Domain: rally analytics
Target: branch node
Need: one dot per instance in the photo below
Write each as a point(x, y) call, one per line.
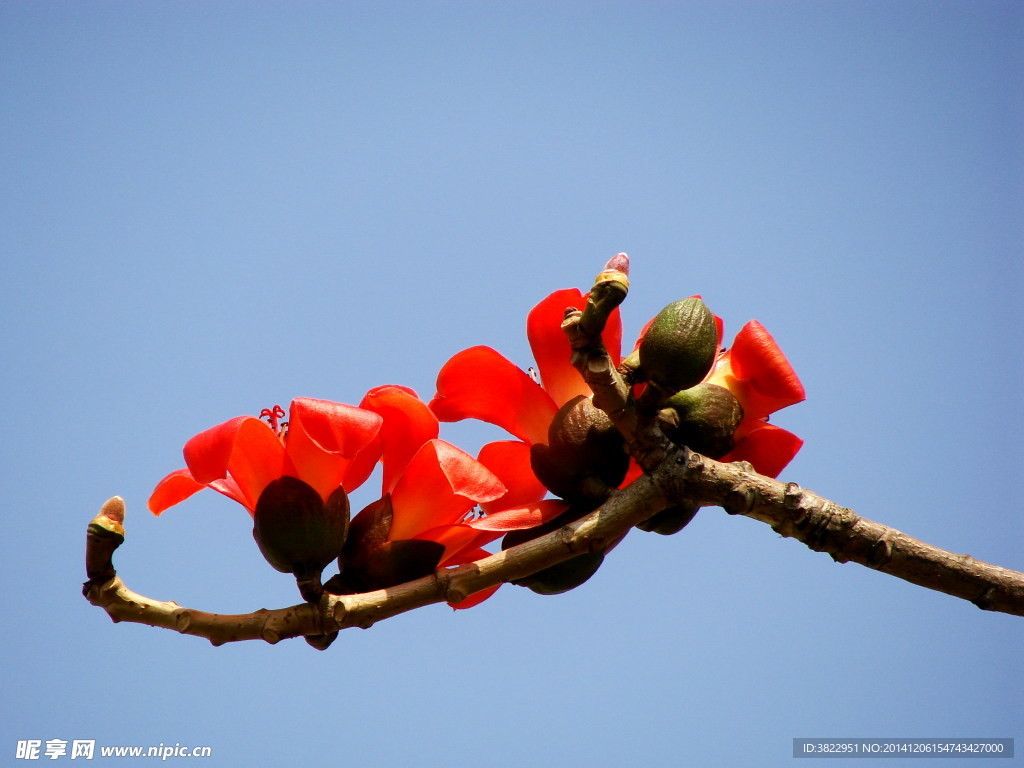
point(881, 552)
point(567, 535)
point(268, 634)
point(792, 496)
point(739, 500)
point(986, 599)
point(182, 620)
point(339, 611)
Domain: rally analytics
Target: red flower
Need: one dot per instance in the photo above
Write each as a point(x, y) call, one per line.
point(426, 517)
point(756, 371)
point(479, 383)
point(324, 444)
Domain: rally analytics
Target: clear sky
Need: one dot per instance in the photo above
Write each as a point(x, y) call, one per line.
point(209, 208)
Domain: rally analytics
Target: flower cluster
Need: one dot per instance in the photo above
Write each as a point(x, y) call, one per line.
point(439, 506)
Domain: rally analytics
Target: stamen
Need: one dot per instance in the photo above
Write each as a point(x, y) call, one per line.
point(476, 513)
point(273, 417)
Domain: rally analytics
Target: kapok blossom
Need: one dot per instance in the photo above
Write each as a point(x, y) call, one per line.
point(324, 444)
point(480, 383)
point(758, 374)
point(431, 492)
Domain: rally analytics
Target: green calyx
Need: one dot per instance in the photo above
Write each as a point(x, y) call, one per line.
point(703, 418)
point(679, 348)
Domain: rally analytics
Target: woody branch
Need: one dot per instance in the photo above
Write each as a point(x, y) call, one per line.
point(682, 476)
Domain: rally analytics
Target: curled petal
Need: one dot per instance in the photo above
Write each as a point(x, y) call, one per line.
point(245, 447)
point(257, 459)
point(768, 447)
point(208, 453)
point(480, 383)
point(179, 485)
point(440, 484)
point(520, 518)
point(551, 348)
point(477, 597)
point(469, 556)
point(510, 461)
point(174, 488)
point(757, 372)
point(323, 440)
point(407, 424)
point(456, 539)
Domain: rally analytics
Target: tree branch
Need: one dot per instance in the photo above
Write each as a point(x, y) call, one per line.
point(683, 476)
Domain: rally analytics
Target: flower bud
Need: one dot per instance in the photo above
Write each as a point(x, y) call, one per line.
point(369, 561)
point(703, 418)
point(680, 345)
point(298, 533)
point(585, 454)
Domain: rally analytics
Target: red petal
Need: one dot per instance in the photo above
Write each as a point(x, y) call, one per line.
point(479, 383)
point(468, 556)
point(527, 516)
point(476, 598)
point(174, 488)
point(245, 447)
point(230, 488)
point(179, 485)
point(456, 539)
point(440, 484)
point(767, 380)
point(510, 461)
point(632, 473)
point(257, 459)
point(323, 439)
point(551, 348)
point(208, 453)
point(408, 424)
point(768, 447)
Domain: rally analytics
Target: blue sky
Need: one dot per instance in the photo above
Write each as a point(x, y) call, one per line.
point(209, 208)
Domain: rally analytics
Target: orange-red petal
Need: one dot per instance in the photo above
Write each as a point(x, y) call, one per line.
point(469, 556)
point(520, 518)
point(245, 447)
point(408, 424)
point(768, 447)
point(439, 485)
point(510, 461)
point(480, 383)
point(257, 458)
point(174, 488)
point(208, 453)
point(551, 348)
point(764, 378)
point(324, 438)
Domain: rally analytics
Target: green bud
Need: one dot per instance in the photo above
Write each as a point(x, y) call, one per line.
point(703, 418)
point(679, 348)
